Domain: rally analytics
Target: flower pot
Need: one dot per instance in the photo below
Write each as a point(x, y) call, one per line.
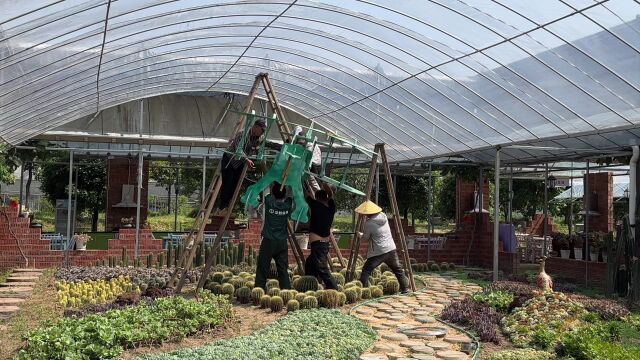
point(81, 247)
point(594, 256)
point(604, 257)
point(565, 253)
point(127, 226)
point(577, 253)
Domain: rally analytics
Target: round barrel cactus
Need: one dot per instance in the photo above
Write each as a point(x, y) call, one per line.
point(276, 304)
point(351, 294)
point(309, 302)
point(265, 302)
point(307, 283)
point(244, 295)
point(391, 287)
point(256, 295)
point(293, 305)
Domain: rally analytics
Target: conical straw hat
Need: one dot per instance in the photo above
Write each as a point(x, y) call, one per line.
point(368, 208)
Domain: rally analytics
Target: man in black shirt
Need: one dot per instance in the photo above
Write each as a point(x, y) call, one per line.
point(275, 232)
point(322, 209)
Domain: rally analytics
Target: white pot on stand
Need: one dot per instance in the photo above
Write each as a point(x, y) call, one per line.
point(565, 253)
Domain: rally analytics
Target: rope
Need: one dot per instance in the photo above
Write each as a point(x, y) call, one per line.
point(15, 237)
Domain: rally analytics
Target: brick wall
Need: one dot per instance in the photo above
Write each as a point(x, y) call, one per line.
point(577, 269)
point(38, 250)
point(601, 200)
point(465, 198)
point(124, 171)
point(536, 225)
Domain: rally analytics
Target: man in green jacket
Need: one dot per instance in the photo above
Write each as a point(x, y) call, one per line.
point(278, 207)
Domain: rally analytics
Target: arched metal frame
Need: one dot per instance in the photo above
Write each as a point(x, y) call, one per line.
point(426, 89)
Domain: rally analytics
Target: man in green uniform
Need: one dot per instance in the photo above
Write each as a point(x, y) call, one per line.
point(277, 206)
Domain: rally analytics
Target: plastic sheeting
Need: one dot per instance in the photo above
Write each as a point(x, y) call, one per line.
point(429, 78)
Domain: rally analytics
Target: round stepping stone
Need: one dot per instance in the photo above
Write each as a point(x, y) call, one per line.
point(411, 343)
point(11, 301)
point(439, 345)
point(15, 284)
point(452, 355)
point(8, 309)
point(423, 350)
point(382, 347)
point(379, 327)
point(365, 311)
point(423, 357)
point(425, 319)
point(395, 336)
point(16, 289)
point(457, 339)
point(373, 357)
point(395, 317)
point(396, 356)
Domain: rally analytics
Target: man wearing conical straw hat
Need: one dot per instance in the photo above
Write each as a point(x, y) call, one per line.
point(382, 249)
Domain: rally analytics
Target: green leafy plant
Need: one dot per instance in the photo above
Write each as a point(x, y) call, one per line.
point(521, 354)
point(319, 334)
point(499, 300)
point(105, 336)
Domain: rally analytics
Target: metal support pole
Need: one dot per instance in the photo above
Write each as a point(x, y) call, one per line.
point(571, 202)
point(510, 203)
point(496, 215)
point(586, 251)
point(204, 178)
point(21, 187)
point(430, 215)
point(69, 209)
point(545, 251)
point(138, 202)
point(175, 201)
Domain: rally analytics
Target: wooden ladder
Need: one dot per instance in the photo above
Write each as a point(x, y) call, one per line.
point(355, 244)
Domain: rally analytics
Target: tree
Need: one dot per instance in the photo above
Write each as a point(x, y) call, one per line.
point(164, 175)
point(412, 195)
point(90, 187)
point(7, 166)
point(27, 159)
point(182, 176)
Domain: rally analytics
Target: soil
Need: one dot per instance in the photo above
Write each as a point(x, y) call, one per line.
point(246, 320)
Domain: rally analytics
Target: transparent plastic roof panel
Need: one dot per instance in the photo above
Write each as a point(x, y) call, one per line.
point(430, 78)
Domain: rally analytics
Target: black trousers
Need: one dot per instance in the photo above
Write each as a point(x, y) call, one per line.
point(317, 264)
point(391, 259)
point(230, 178)
point(278, 251)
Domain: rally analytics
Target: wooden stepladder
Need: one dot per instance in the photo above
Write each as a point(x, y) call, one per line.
point(402, 241)
point(196, 235)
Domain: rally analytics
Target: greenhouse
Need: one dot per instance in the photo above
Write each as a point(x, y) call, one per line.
point(319, 179)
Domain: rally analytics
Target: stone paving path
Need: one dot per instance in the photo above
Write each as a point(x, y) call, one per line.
point(407, 328)
point(15, 290)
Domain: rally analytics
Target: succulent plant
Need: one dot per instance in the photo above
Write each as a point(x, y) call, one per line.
point(329, 299)
point(434, 267)
point(444, 266)
point(366, 294)
point(299, 297)
point(293, 305)
point(338, 278)
point(244, 295)
point(351, 294)
point(391, 287)
point(452, 266)
point(217, 289)
point(256, 295)
point(218, 276)
point(307, 283)
point(272, 283)
point(265, 301)
point(274, 291)
point(309, 302)
point(237, 282)
point(342, 299)
point(276, 304)
point(250, 284)
point(286, 295)
point(376, 292)
point(228, 289)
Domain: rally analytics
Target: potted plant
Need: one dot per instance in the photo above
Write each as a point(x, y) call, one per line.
point(563, 245)
point(126, 222)
point(573, 240)
point(81, 241)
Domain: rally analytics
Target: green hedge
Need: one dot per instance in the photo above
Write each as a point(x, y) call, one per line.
point(305, 334)
point(105, 336)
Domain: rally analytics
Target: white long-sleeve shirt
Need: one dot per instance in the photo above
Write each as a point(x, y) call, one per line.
point(378, 233)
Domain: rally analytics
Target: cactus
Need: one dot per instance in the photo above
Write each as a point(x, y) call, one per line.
point(244, 295)
point(227, 273)
point(217, 289)
point(274, 291)
point(125, 257)
point(351, 294)
point(271, 283)
point(237, 281)
point(452, 266)
point(256, 295)
point(276, 304)
point(309, 302)
point(179, 251)
point(444, 266)
point(240, 252)
point(300, 297)
point(250, 284)
point(160, 262)
point(338, 278)
point(342, 299)
point(228, 289)
point(228, 261)
point(331, 299)
point(138, 262)
point(170, 256)
point(307, 283)
point(293, 305)
point(366, 293)
point(319, 294)
point(218, 276)
point(286, 295)
point(265, 301)
point(434, 267)
point(391, 287)
point(234, 255)
point(376, 292)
